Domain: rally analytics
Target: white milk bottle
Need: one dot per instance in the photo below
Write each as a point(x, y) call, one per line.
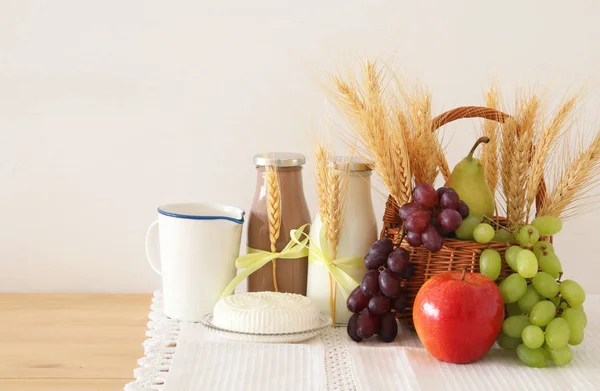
point(358, 232)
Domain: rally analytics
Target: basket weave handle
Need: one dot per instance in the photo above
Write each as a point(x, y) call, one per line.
point(468, 112)
point(489, 114)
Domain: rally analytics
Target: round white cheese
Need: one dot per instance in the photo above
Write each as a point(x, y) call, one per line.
point(266, 312)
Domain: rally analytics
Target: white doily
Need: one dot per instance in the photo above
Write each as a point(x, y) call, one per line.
point(159, 349)
point(337, 368)
point(161, 346)
point(185, 356)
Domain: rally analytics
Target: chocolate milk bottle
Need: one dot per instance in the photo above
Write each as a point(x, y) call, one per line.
point(291, 273)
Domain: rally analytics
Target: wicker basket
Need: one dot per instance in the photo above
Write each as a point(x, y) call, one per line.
point(455, 254)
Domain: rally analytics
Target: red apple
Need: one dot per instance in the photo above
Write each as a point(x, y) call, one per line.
point(458, 316)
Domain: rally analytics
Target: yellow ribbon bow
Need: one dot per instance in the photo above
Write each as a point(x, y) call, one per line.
point(255, 259)
point(323, 255)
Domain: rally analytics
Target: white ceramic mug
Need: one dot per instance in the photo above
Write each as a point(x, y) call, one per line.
point(194, 247)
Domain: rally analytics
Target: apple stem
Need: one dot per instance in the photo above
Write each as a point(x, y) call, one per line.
point(464, 272)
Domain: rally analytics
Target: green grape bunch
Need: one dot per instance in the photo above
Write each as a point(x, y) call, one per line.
point(545, 314)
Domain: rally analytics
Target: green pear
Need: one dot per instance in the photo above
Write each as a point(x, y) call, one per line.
point(468, 180)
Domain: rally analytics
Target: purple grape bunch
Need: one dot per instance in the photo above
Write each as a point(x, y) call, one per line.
point(431, 215)
point(380, 292)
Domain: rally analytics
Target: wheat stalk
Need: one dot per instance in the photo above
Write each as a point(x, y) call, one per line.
point(349, 95)
point(395, 129)
point(379, 124)
point(509, 136)
point(399, 141)
point(424, 151)
point(545, 143)
point(351, 103)
point(332, 232)
point(337, 191)
point(527, 112)
point(274, 214)
point(402, 123)
point(400, 157)
point(489, 155)
point(403, 103)
point(573, 187)
point(321, 162)
point(442, 162)
point(332, 187)
point(332, 181)
point(372, 125)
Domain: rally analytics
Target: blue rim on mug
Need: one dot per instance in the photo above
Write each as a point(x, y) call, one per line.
point(232, 212)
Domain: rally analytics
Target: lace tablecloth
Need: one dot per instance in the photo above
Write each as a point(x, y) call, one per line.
point(186, 356)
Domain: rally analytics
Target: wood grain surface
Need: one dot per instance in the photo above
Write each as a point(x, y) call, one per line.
point(70, 341)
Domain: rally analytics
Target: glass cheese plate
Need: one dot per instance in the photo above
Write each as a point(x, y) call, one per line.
point(239, 336)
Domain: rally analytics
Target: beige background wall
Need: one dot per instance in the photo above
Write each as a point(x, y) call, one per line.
point(110, 108)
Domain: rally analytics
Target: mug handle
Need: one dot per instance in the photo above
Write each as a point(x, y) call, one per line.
point(152, 247)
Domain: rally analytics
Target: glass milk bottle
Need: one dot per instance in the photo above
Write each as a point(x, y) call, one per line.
point(358, 232)
point(291, 273)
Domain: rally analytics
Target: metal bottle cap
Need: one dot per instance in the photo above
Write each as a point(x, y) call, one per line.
point(354, 164)
point(280, 159)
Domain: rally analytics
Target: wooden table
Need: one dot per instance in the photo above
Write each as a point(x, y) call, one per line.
point(70, 342)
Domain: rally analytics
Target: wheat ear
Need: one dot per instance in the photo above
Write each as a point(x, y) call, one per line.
point(332, 181)
point(396, 157)
point(489, 155)
point(324, 197)
point(550, 134)
point(509, 137)
point(338, 189)
point(375, 125)
point(399, 139)
point(443, 162)
point(274, 215)
point(349, 96)
point(440, 156)
point(521, 158)
point(573, 187)
point(322, 162)
point(335, 209)
point(378, 138)
point(424, 152)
